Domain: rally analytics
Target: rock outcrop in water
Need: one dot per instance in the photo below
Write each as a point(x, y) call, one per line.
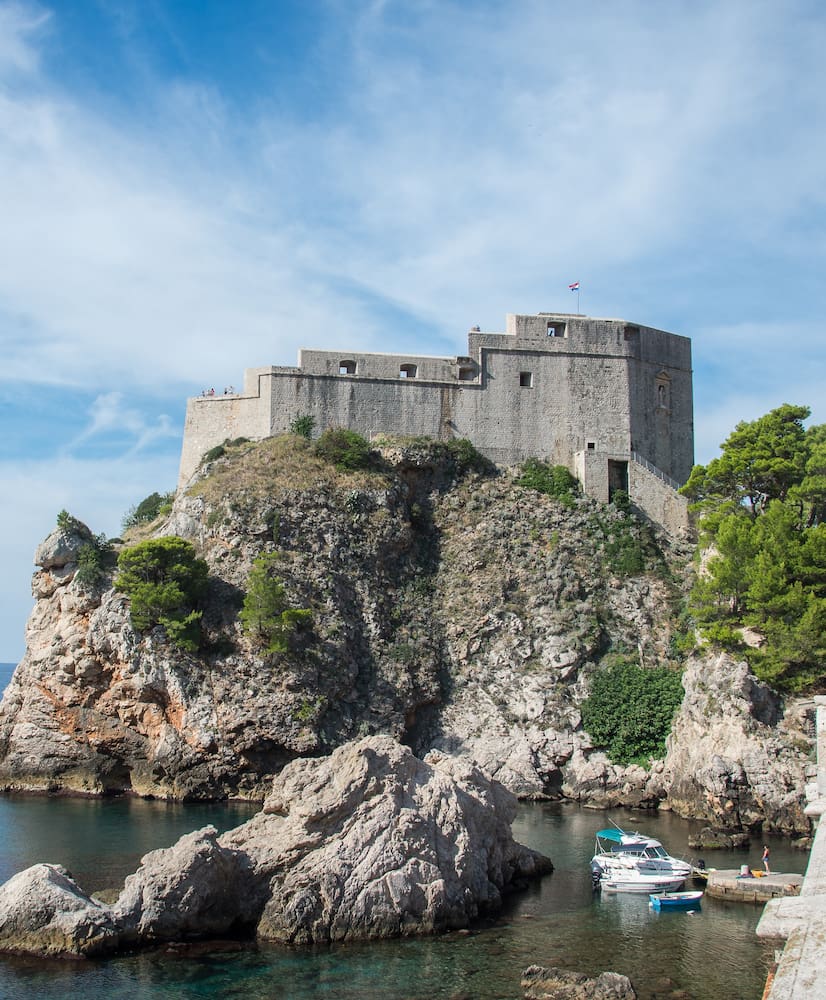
point(560, 984)
point(369, 842)
point(454, 609)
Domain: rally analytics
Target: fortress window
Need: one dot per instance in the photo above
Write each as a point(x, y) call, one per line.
point(408, 371)
point(590, 446)
point(466, 374)
point(556, 329)
point(347, 368)
point(526, 380)
point(663, 391)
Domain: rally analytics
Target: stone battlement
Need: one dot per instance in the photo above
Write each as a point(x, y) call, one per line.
point(611, 400)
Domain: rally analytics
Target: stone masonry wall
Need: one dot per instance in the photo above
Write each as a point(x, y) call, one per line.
point(552, 386)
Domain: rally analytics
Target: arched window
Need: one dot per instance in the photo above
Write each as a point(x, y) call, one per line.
point(663, 391)
point(347, 368)
point(408, 371)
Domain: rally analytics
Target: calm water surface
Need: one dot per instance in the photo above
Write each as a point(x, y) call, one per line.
point(710, 955)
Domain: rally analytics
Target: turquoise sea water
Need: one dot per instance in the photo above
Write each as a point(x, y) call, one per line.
point(710, 955)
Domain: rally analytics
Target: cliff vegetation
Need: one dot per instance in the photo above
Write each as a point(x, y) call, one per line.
point(761, 591)
point(301, 594)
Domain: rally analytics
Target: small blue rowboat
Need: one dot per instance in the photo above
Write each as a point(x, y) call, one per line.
point(675, 900)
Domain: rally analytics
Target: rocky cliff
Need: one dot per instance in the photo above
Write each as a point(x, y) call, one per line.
point(452, 609)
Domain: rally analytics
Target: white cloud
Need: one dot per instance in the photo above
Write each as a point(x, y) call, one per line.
point(449, 163)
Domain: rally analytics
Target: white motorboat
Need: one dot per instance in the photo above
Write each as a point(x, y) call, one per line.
point(633, 862)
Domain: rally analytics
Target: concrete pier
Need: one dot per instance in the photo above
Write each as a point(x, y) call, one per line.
point(729, 884)
point(801, 971)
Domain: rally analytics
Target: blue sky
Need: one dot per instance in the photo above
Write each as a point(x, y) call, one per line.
point(191, 188)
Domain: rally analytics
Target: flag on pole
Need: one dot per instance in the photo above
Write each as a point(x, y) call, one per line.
point(574, 286)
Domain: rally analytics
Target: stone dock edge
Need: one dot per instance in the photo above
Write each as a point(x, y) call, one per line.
point(801, 920)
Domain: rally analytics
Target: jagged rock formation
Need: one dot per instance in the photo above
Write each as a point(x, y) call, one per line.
point(734, 754)
point(451, 609)
point(369, 842)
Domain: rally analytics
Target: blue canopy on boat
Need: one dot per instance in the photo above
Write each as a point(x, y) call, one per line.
point(614, 834)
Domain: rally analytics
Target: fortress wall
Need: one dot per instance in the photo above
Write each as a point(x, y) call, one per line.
point(210, 420)
point(660, 402)
point(554, 386)
point(369, 406)
point(572, 400)
point(370, 365)
point(661, 503)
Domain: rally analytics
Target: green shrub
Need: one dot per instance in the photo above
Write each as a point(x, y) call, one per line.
point(164, 581)
point(630, 709)
point(266, 616)
point(345, 449)
point(621, 501)
point(467, 457)
point(148, 509)
point(554, 480)
point(214, 453)
point(303, 426)
point(94, 559)
point(66, 522)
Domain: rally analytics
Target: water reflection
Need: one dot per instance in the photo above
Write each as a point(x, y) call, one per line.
point(709, 955)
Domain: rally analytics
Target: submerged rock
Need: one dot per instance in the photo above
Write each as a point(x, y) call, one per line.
point(559, 984)
point(369, 842)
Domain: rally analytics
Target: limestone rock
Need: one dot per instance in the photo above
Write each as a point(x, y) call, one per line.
point(61, 547)
point(455, 612)
point(369, 842)
point(735, 759)
point(372, 842)
point(559, 984)
point(719, 840)
point(193, 888)
point(44, 911)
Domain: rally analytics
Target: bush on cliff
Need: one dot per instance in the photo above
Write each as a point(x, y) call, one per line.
point(554, 480)
point(148, 509)
point(164, 581)
point(762, 510)
point(630, 709)
point(266, 616)
point(346, 449)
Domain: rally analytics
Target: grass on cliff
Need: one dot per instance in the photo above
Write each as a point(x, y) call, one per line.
point(288, 461)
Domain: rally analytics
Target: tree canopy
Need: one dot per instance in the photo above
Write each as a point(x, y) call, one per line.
point(164, 580)
point(762, 520)
point(266, 616)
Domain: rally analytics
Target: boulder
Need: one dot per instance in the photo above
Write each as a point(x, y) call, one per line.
point(372, 842)
point(719, 840)
point(192, 889)
point(45, 912)
point(559, 984)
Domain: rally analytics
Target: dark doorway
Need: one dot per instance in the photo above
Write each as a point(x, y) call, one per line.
point(617, 478)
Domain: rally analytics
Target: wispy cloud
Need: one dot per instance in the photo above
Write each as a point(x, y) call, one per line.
point(414, 169)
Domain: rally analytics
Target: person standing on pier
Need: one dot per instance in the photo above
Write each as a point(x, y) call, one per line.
point(766, 858)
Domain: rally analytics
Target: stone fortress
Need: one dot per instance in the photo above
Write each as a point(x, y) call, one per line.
point(611, 400)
